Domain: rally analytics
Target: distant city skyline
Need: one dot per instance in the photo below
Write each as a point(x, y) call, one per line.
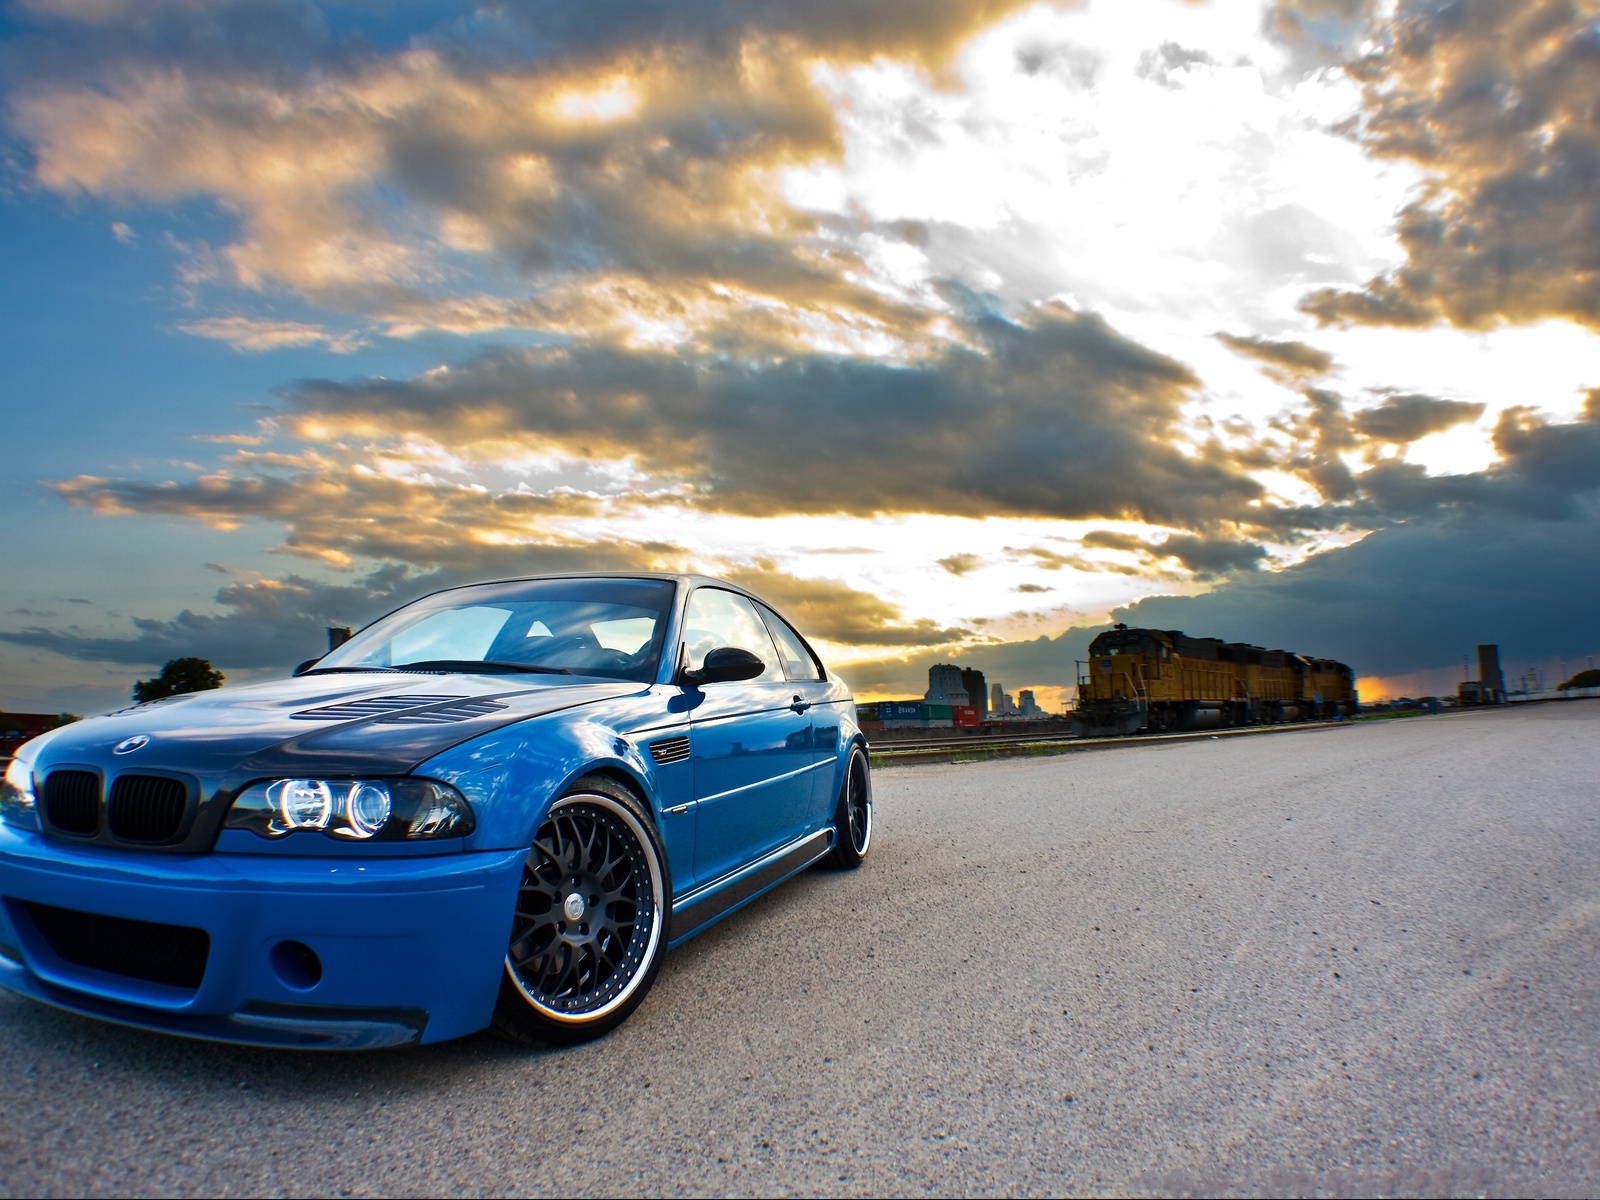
point(957, 328)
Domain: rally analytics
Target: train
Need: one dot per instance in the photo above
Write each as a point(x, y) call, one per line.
point(1162, 680)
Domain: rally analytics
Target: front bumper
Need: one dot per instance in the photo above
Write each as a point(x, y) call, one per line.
point(406, 949)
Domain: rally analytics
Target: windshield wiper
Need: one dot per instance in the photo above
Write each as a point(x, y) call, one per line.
point(331, 670)
point(469, 666)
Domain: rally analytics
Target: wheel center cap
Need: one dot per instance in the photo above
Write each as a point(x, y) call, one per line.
point(573, 907)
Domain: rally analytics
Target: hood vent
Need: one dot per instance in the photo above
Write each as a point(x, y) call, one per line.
point(670, 750)
point(447, 714)
point(373, 706)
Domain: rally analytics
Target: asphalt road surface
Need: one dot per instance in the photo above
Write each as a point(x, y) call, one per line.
point(1344, 961)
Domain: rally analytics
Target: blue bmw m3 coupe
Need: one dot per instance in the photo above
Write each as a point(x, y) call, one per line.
point(497, 807)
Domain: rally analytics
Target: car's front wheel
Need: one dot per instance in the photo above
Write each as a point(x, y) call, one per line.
point(852, 820)
point(590, 926)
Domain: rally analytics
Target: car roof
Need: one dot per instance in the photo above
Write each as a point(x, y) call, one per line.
point(688, 578)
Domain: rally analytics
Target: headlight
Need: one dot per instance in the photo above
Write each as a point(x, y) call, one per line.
point(386, 810)
point(18, 806)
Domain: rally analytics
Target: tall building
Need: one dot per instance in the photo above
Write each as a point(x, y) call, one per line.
point(977, 697)
point(999, 701)
point(1027, 706)
point(1489, 673)
point(945, 685)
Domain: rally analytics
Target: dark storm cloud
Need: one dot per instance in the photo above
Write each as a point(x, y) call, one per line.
point(1211, 558)
point(1547, 473)
point(1207, 557)
point(1415, 597)
point(1410, 598)
point(1496, 100)
point(1406, 418)
point(1053, 415)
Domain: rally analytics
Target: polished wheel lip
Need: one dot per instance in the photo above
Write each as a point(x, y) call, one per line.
point(658, 903)
point(864, 825)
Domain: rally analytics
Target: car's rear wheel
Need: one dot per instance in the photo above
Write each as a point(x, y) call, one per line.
point(590, 926)
point(852, 820)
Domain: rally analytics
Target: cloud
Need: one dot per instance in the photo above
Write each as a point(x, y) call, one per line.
point(961, 564)
point(1287, 360)
point(255, 334)
point(835, 612)
point(336, 512)
point(1211, 558)
point(1495, 100)
point(1407, 418)
point(598, 169)
point(265, 624)
point(1053, 415)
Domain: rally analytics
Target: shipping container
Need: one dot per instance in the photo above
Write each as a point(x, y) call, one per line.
point(936, 712)
point(900, 710)
point(966, 716)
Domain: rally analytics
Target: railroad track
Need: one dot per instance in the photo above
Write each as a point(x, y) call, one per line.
point(1000, 739)
point(935, 749)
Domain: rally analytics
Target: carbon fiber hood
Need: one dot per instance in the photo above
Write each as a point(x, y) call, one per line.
point(337, 723)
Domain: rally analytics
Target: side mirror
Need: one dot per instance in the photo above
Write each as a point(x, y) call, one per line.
point(725, 664)
point(306, 666)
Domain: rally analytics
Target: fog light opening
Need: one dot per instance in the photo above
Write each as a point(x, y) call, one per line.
point(296, 965)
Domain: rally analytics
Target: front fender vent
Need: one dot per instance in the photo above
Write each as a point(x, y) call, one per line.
point(670, 750)
point(373, 706)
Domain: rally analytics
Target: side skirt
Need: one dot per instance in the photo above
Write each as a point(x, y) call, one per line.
point(695, 910)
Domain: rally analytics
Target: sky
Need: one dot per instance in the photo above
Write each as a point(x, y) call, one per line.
point(957, 329)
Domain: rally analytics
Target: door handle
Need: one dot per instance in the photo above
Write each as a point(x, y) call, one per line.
point(800, 704)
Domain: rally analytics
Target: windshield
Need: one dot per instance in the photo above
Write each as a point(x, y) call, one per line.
point(612, 628)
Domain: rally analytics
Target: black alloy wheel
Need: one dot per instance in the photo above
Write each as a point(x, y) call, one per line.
point(852, 821)
point(589, 931)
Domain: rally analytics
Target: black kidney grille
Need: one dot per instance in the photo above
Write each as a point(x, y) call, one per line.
point(670, 750)
point(72, 801)
point(174, 955)
point(147, 808)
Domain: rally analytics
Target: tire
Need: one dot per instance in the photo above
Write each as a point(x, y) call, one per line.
point(589, 931)
point(852, 820)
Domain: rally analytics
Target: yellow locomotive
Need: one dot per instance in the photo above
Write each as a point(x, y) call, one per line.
point(1155, 680)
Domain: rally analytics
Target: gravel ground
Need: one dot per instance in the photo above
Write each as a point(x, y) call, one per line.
point(1359, 960)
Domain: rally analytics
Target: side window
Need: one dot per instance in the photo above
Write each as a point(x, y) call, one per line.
point(797, 661)
point(716, 618)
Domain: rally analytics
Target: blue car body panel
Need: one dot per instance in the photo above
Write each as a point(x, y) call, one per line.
point(411, 937)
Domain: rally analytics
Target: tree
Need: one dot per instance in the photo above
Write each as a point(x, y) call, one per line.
point(1583, 679)
point(180, 675)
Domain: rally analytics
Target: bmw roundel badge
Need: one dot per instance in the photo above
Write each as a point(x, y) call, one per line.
point(129, 745)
